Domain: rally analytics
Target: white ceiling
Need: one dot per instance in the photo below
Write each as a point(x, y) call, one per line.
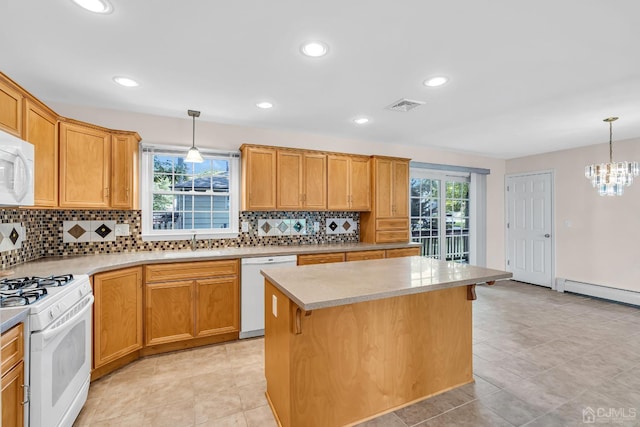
point(526, 77)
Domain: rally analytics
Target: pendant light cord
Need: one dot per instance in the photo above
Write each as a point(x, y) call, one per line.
point(193, 145)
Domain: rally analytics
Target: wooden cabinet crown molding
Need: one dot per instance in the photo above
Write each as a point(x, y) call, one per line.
point(133, 134)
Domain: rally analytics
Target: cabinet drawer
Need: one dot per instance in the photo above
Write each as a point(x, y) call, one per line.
point(190, 270)
point(397, 253)
point(320, 258)
point(12, 347)
point(392, 236)
point(392, 224)
point(364, 255)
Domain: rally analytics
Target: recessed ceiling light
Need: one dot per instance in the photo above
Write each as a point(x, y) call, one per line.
point(361, 120)
point(126, 81)
point(264, 104)
point(95, 6)
point(315, 49)
point(436, 81)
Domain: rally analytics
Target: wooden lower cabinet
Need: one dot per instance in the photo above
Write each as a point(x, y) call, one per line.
point(364, 255)
point(117, 314)
point(396, 253)
point(13, 377)
point(12, 395)
point(217, 306)
point(203, 302)
point(169, 312)
point(309, 259)
point(320, 258)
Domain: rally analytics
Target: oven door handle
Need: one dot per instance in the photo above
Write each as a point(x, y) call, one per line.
point(47, 334)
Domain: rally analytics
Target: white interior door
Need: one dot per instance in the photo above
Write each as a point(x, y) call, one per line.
point(529, 228)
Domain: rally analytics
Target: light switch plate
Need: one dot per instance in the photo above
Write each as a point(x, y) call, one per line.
point(122, 230)
point(316, 227)
point(245, 226)
point(274, 305)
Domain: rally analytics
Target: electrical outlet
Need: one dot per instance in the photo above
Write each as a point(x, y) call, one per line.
point(122, 230)
point(316, 227)
point(274, 305)
point(245, 226)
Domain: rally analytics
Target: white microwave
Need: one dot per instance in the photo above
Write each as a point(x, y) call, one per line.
point(16, 171)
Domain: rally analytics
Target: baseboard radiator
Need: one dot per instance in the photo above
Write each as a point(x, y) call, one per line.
point(598, 291)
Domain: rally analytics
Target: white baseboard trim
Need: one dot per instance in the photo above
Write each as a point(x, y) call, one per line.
point(598, 291)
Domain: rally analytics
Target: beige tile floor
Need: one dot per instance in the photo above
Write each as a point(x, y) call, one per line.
point(540, 359)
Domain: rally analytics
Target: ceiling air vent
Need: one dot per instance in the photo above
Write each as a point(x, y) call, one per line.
point(404, 105)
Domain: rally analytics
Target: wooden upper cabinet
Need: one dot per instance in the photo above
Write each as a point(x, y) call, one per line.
point(290, 184)
point(10, 107)
point(391, 188)
point(85, 166)
point(360, 184)
point(40, 129)
point(117, 314)
point(315, 181)
point(124, 174)
point(258, 178)
point(338, 186)
point(348, 185)
point(302, 180)
point(389, 219)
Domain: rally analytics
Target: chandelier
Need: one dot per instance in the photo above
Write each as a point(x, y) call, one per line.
point(611, 178)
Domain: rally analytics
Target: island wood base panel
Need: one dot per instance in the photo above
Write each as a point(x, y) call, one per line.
point(342, 365)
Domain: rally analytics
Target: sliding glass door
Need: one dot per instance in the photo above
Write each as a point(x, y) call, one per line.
point(440, 215)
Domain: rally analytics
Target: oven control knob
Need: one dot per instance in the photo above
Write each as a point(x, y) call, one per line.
point(55, 311)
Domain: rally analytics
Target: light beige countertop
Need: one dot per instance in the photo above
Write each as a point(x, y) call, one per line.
point(11, 316)
point(91, 264)
point(313, 287)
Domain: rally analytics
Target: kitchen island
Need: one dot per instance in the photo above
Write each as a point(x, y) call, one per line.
point(348, 342)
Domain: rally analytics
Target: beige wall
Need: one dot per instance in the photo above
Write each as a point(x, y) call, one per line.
point(173, 131)
point(597, 237)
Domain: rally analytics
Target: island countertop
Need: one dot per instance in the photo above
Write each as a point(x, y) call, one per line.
point(314, 287)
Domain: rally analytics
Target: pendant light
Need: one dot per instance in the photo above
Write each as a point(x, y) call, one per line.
point(193, 156)
point(611, 178)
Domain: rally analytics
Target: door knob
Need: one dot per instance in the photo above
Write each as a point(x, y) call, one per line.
point(547, 235)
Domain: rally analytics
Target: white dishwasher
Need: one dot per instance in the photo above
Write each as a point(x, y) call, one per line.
point(252, 292)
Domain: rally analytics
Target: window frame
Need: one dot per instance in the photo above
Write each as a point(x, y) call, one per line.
point(146, 195)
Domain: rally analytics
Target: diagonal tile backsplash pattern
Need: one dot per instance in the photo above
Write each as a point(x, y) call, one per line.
point(48, 233)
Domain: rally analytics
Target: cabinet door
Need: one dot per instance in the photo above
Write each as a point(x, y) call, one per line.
point(12, 397)
point(315, 181)
point(400, 189)
point(384, 187)
point(289, 189)
point(10, 109)
point(85, 171)
point(217, 306)
point(360, 184)
point(117, 314)
point(40, 129)
point(338, 183)
point(170, 312)
point(259, 173)
point(124, 158)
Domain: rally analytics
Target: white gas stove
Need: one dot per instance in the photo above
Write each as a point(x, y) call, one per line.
point(59, 344)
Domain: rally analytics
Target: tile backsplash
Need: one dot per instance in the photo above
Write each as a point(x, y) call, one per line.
point(48, 232)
